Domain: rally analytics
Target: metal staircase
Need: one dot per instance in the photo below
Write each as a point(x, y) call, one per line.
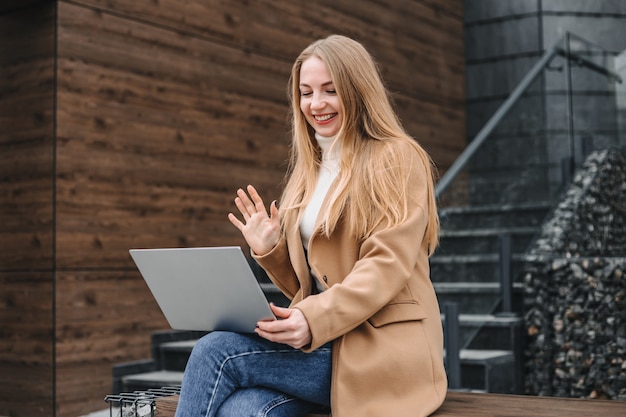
point(493, 201)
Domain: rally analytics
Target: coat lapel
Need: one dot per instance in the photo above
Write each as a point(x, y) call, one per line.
point(298, 258)
point(296, 251)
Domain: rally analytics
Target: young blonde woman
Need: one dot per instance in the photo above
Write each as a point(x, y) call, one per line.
point(349, 245)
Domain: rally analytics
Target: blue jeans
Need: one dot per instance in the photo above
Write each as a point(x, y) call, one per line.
point(244, 375)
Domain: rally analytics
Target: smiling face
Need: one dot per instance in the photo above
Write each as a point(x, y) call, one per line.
point(319, 102)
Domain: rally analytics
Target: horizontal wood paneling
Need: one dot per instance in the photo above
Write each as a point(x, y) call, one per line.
point(165, 129)
point(26, 314)
point(103, 318)
point(429, 124)
point(81, 387)
point(26, 344)
point(103, 312)
point(27, 390)
point(26, 139)
point(208, 124)
point(418, 44)
point(26, 209)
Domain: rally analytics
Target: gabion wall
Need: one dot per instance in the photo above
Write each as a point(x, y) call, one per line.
point(575, 288)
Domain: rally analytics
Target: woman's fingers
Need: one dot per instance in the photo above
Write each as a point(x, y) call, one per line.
point(292, 330)
point(273, 210)
point(235, 221)
point(260, 231)
point(243, 209)
point(251, 204)
point(280, 312)
point(256, 199)
point(243, 203)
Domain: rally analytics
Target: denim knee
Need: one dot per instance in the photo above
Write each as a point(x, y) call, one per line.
point(214, 345)
point(262, 402)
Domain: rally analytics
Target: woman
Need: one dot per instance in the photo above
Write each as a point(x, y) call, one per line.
point(349, 246)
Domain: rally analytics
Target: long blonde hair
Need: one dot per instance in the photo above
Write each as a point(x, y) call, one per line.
point(365, 198)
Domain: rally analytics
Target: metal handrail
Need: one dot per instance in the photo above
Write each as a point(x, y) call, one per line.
point(503, 110)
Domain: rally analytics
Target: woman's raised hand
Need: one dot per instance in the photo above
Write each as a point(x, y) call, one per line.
point(260, 229)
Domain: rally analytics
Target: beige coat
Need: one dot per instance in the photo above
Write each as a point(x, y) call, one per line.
point(379, 308)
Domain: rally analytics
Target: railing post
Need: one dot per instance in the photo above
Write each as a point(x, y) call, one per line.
point(570, 101)
point(451, 337)
point(567, 171)
point(506, 282)
point(586, 146)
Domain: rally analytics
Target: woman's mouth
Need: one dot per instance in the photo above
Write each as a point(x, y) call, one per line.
point(323, 118)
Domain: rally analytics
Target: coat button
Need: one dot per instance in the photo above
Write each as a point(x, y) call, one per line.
point(325, 278)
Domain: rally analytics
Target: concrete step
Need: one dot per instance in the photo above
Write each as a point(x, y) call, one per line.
point(493, 332)
point(176, 354)
point(485, 296)
point(488, 370)
point(480, 370)
point(151, 380)
point(477, 241)
point(488, 331)
point(496, 215)
point(475, 297)
point(477, 267)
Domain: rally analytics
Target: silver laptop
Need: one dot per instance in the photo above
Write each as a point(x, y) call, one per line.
point(204, 289)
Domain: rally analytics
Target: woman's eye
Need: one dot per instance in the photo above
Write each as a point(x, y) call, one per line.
point(331, 91)
point(305, 93)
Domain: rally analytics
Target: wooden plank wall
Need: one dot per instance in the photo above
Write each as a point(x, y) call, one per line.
point(164, 109)
point(26, 210)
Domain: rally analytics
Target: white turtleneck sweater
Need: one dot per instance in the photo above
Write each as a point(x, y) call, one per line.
point(328, 171)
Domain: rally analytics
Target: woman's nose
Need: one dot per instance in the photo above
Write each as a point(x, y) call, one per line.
point(317, 102)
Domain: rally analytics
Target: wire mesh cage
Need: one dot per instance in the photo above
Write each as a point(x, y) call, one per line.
point(158, 402)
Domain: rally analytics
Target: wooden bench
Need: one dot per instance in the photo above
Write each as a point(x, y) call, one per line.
point(504, 405)
point(464, 404)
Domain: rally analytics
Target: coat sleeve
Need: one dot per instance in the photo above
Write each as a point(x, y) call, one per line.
point(386, 262)
point(279, 269)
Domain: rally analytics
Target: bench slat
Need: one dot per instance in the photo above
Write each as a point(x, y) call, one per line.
point(504, 405)
point(466, 404)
